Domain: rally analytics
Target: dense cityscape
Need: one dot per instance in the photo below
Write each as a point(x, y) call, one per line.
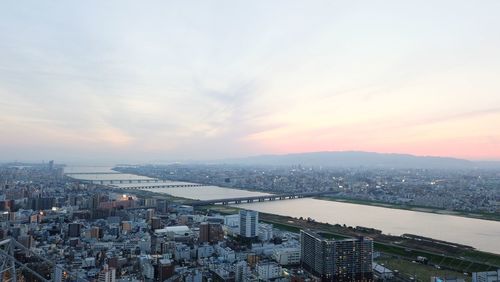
point(250, 141)
point(461, 190)
point(57, 228)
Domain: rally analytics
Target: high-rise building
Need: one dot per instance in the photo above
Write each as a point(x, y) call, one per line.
point(241, 271)
point(162, 205)
point(265, 232)
point(165, 269)
point(249, 223)
point(94, 202)
point(74, 229)
point(337, 260)
point(58, 273)
point(155, 223)
point(215, 232)
point(108, 274)
point(11, 216)
point(6, 205)
point(486, 276)
point(211, 232)
point(96, 232)
point(204, 228)
point(41, 203)
point(148, 202)
point(149, 215)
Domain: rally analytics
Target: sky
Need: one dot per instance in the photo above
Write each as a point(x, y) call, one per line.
point(150, 81)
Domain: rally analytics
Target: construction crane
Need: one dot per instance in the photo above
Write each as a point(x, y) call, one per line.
point(9, 265)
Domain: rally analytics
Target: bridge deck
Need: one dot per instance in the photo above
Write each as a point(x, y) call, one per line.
point(270, 197)
point(153, 185)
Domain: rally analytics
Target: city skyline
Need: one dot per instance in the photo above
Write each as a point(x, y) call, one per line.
point(285, 140)
point(123, 81)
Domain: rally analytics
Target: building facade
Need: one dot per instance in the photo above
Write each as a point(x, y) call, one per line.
point(337, 260)
point(486, 276)
point(211, 232)
point(249, 223)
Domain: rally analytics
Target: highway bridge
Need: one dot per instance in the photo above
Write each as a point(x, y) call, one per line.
point(153, 185)
point(263, 198)
point(92, 173)
point(111, 180)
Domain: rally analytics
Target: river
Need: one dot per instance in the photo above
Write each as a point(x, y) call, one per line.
point(481, 234)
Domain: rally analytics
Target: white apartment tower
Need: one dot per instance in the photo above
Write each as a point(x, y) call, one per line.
point(249, 223)
point(108, 274)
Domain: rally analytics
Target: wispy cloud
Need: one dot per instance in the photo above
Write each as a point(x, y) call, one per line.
point(182, 80)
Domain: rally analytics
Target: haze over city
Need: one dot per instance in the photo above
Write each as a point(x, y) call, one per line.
point(248, 141)
point(123, 80)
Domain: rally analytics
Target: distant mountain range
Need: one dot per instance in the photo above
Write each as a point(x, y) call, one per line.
point(361, 159)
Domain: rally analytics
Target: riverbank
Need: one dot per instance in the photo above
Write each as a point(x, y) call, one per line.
point(475, 215)
point(452, 256)
point(484, 216)
point(432, 210)
point(459, 259)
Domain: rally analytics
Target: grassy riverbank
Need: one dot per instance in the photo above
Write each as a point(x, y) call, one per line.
point(477, 215)
point(456, 259)
point(453, 259)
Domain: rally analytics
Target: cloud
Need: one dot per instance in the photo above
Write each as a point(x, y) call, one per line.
point(180, 80)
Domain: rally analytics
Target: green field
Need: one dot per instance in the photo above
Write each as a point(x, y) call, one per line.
point(418, 271)
point(471, 261)
point(464, 261)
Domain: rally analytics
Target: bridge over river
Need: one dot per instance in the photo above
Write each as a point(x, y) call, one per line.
point(155, 185)
point(262, 198)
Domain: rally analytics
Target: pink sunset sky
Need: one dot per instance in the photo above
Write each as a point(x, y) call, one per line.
point(161, 80)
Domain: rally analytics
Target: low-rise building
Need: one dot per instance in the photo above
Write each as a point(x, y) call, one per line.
point(268, 270)
point(287, 256)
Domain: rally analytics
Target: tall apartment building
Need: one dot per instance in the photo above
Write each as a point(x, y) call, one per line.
point(211, 232)
point(108, 274)
point(41, 203)
point(486, 276)
point(161, 205)
point(74, 230)
point(165, 269)
point(58, 273)
point(337, 260)
point(155, 223)
point(249, 223)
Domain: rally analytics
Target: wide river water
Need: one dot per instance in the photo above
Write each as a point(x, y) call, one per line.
point(481, 234)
